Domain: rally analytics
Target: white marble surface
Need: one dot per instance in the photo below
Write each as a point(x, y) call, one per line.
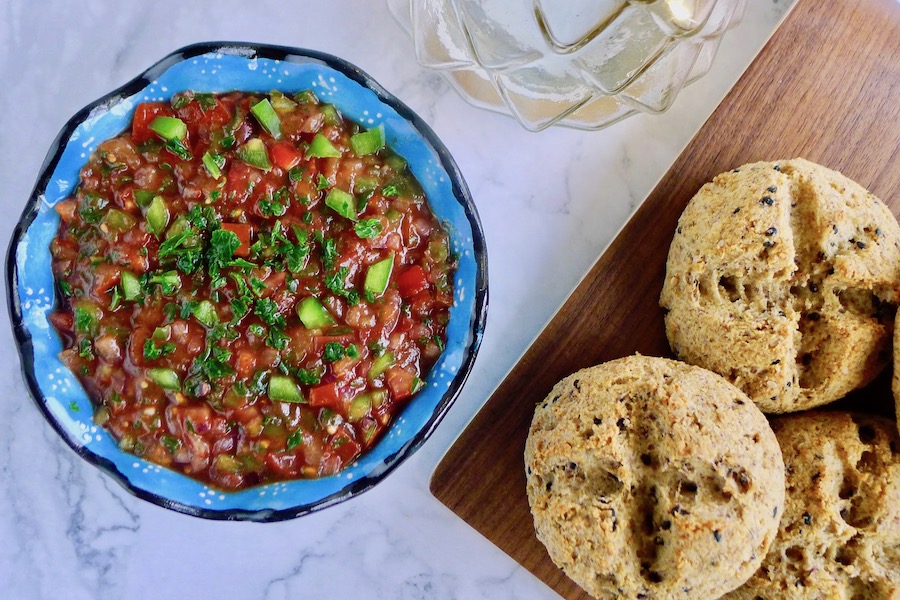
point(550, 203)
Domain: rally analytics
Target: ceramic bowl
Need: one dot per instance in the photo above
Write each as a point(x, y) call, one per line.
point(222, 67)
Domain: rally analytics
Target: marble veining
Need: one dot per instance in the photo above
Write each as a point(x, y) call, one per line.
point(550, 203)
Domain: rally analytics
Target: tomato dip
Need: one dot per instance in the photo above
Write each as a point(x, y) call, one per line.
point(249, 286)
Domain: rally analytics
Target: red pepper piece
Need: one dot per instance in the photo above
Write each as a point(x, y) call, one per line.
point(412, 281)
point(285, 155)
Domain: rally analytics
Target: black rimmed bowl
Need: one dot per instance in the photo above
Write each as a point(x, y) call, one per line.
point(223, 67)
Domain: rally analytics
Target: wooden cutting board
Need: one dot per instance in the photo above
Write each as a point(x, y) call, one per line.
point(826, 87)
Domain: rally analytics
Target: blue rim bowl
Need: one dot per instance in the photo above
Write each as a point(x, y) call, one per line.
point(222, 67)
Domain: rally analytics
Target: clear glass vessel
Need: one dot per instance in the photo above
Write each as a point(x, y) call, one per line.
point(580, 63)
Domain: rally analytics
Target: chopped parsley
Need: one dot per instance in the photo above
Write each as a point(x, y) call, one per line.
point(152, 351)
point(294, 440)
point(277, 338)
point(172, 444)
point(333, 351)
point(296, 174)
point(207, 101)
point(308, 377)
point(212, 364)
point(85, 321)
point(85, 350)
point(367, 228)
point(267, 310)
point(272, 208)
point(335, 283)
point(177, 147)
point(239, 308)
point(222, 244)
point(329, 252)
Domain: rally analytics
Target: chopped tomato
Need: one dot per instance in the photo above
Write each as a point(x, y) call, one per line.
point(401, 382)
point(284, 463)
point(196, 118)
point(285, 155)
point(245, 365)
point(144, 115)
point(344, 446)
point(106, 276)
point(325, 395)
point(242, 178)
point(66, 210)
point(61, 320)
point(244, 233)
point(412, 281)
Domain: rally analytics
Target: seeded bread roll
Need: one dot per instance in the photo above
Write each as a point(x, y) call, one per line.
point(649, 478)
point(784, 278)
point(840, 533)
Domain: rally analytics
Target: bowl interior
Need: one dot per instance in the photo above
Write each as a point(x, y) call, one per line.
point(222, 68)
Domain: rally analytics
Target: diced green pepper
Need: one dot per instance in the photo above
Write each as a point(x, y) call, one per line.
point(101, 417)
point(359, 407)
point(162, 334)
point(368, 142)
point(143, 198)
point(380, 364)
point(282, 103)
point(169, 128)
point(321, 147)
point(331, 115)
point(379, 397)
point(438, 250)
point(131, 285)
point(205, 312)
point(233, 399)
point(227, 464)
point(284, 389)
point(306, 97)
point(157, 216)
point(313, 315)
point(116, 298)
point(342, 203)
point(365, 185)
point(167, 379)
point(254, 154)
point(267, 117)
point(397, 163)
point(179, 226)
point(119, 221)
point(213, 163)
point(378, 275)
